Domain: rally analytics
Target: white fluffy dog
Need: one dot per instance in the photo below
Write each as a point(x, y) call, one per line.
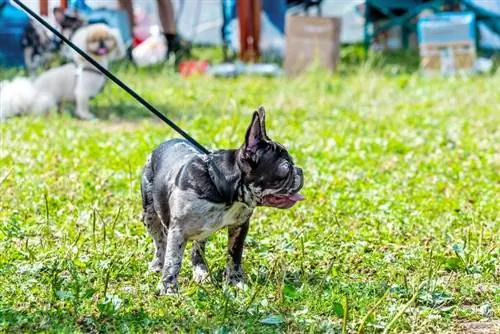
point(76, 82)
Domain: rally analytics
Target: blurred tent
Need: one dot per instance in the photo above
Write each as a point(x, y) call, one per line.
point(201, 21)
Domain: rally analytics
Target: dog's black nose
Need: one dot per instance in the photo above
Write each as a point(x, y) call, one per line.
point(298, 171)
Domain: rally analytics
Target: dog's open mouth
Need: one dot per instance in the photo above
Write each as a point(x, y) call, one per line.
point(282, 201)
point(102, 51)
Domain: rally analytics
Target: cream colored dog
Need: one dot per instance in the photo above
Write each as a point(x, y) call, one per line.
point(76, 82)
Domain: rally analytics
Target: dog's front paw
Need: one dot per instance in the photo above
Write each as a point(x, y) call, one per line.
point(234, 275)
point(167, 289)
point(156, 266)
point(238, 284)
point(85, 115)
point(200, 274)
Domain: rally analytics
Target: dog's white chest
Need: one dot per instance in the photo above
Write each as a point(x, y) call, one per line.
point(237, 214)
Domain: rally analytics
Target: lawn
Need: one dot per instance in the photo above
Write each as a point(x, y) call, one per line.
point(397, 232)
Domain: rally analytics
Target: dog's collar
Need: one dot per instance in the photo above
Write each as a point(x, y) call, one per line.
point(245, 195)
point(80, 69)
point(240, 193)
point(211, 173)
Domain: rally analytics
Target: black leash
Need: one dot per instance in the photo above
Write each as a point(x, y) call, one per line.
point(113, 78)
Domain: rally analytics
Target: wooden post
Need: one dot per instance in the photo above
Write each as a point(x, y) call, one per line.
point(44, 7)
point(249, 20)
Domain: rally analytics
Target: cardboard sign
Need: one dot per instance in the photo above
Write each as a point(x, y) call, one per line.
point(311, 39)
point(447, 43)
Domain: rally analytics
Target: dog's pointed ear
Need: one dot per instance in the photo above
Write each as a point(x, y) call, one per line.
point(262, 115)
point(58, 15)
point(255, 132)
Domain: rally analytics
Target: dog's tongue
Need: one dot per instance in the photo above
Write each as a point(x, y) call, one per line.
point(282, 202)
point(102, 51)
point(296, 197)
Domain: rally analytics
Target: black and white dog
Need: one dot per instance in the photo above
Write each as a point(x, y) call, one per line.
point(39, 48)
point(188, 196)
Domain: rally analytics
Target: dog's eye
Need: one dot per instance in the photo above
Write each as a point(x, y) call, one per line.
point(284, 168)
point(109, 42)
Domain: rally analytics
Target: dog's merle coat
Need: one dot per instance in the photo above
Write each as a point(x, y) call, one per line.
point(188, 196)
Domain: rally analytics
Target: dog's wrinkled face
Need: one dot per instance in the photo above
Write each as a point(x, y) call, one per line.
point(268, 169)
point(100, 40)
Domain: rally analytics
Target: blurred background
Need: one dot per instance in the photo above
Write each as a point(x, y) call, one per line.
point(447, 34)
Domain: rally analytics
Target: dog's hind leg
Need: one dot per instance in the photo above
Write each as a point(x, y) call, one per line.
point(158, 233)
point(152, 221)
point(200, 269)
point(176, 243)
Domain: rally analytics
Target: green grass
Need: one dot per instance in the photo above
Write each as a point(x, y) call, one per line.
point(397, 233)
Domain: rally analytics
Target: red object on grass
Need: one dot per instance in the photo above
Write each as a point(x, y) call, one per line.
point(191, 67)
point(136, 41)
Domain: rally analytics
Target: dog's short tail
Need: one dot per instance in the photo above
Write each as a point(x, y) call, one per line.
point(19, 96)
